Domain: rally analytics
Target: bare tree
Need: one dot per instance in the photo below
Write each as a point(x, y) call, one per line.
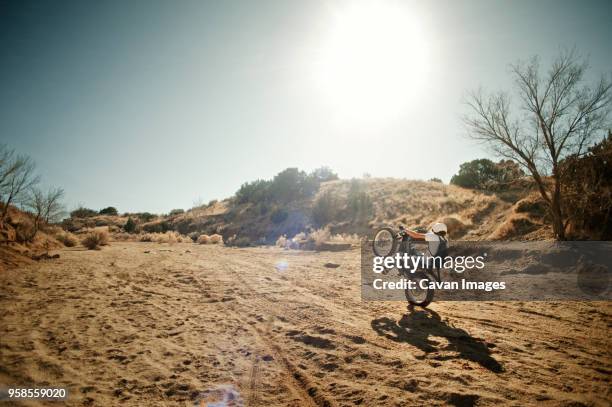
point(46, 207)
point(558, 116)
point(16, 177)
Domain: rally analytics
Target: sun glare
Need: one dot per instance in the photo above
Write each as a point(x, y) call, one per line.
point(373, 61)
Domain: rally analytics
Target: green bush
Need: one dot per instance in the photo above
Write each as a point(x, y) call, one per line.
point(130, 226)
point(279, 215)
point(288, 185)
point(157, 227)
point(242, 241)
point(145, 216)
point(253, 191)
point(486, 174)
point(175, 212)
point(435, 179)
point(82, 212)
point(324, 209)
point(111, 211)
point(359, 205)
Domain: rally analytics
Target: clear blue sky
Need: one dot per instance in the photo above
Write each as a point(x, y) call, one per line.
point(148, 105)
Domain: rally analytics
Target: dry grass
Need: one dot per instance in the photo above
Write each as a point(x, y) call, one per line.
point(515, 226)
point(216, 239)
point(421, 204)
point(456, 227)
point(282, 241)
point(67, 239)
point(212, 239)
point(169, 237)
point(532, 204)
point(93, 240)
point(124, 236)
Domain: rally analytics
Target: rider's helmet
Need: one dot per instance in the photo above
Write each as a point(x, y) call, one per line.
point(439, 228)
point(437, 240)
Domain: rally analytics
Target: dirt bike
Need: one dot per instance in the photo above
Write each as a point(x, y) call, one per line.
point(386, 243)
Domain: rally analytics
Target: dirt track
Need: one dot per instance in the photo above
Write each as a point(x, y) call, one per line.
point(149, 324)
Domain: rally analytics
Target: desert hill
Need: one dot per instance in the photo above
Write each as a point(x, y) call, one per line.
point(339, 207)
point(20, 246)
point(352, 207)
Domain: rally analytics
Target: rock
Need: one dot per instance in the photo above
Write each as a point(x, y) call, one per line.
point(331, 265)
point(44, 256)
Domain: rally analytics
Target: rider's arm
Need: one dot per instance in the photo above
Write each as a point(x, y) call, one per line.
point(415, 235)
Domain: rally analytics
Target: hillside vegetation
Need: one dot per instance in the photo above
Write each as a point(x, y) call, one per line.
point(349, 207)
point(19, 245)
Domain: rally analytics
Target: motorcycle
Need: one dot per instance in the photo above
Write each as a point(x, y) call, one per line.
point(387, 242)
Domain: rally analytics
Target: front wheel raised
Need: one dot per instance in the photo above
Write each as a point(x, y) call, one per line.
point(384, 243)
point(421, 295)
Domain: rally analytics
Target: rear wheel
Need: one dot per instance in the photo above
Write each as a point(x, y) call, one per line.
point(418, 295)
point(384, 243)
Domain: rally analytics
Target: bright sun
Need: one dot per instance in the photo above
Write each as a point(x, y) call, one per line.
point(373, 61)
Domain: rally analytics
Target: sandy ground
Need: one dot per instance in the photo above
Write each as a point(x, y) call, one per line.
point(149, 324)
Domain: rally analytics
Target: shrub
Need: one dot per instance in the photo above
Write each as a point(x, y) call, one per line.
point(101, 222)
point(515, 226)
point(175, 212)
point(82, 212)
point(212, 239)
point(324, 209)
point(533, 205)
point(435, 179)
point(319, 236)
point(487, 175)
point(24, 230)
point(67, 239)
point(130, 226)
point(93, 240)
point(169, 237)
point(282, 241)
point(359, 205)
point(146, 237)
point(242, 241)
point(587, 189)
point(253, 191)
point(145, 216)
point(157, 227)
point(216, 239)
point(324, 174)
point(279, 215)
point(286, 186)
point(111, 211)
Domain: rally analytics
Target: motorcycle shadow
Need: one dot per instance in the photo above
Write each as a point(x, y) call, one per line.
point(419, 328)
